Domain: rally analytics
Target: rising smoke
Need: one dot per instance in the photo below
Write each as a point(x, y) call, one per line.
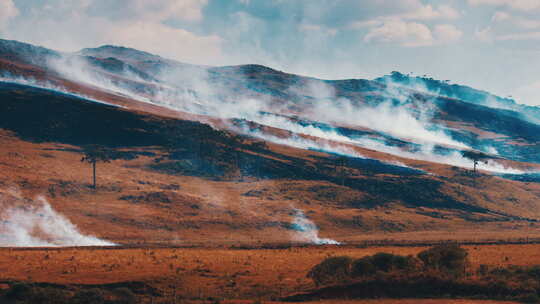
point(305, 231)
point(399, 115)
point(34, 223)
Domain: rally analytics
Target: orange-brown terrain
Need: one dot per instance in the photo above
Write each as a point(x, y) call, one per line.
point(222, 274)
point(203, 208)
point(139, 200)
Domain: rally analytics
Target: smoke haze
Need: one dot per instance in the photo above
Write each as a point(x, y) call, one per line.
point(305, 231)
point(34, 223)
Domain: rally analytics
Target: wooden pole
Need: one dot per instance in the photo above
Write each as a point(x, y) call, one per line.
point(94, 171)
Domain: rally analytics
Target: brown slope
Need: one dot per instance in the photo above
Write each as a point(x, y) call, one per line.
point(139, 200)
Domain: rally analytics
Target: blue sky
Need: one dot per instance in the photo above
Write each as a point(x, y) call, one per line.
point(488, 44)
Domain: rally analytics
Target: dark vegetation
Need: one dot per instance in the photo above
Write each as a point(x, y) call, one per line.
point(442, 271)
point(527, 178)
point(191, 148)
point(501, 121)
point(476, 157)
point(26, 293)
point(444, 88)
point(474, 107)
point(94, 154)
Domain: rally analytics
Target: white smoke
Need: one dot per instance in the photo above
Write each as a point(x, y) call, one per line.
point(46, 85)
point(78, 69)
point(395, 121)
point(189, 89)
point(296, 141)
point(37, 224)
point(400, 115)
point(426, 152)
point(305, 231)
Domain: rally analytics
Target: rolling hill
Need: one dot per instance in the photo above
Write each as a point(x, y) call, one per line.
point(248, 154)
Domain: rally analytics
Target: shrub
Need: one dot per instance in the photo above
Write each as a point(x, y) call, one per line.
point(534, 272)
point(332, 270)
point(19, 292)
point(49, 295)
point(22, 293)
point(89, 296)
point(363, 267)
point(529, 298)
point(125, 295)
point(383, 262)
point(449, 259)
point(483, 270)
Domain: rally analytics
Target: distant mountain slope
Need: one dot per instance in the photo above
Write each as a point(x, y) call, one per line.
point(27, 53)
point(450, 115)
point(465, 93)
point(119, 52)
point(174, 177)
point(229, 154)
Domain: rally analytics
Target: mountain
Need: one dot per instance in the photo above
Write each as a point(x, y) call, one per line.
point(235, 154)
point(119, 52)
point(461, 92)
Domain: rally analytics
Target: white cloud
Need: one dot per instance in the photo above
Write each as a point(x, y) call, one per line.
point(529, 94)
point(484, 35)
point(518, 21)
point(407, 10)
point(526, 23)
point(507, 26)
point(364, 24)
point(520, 36)
point(167, 41)
point(140, 26)
point(500, 16)
point(428, 12)
point(8, 10)
point(524, 5)
point(412, 34)
point(318, 29)
point(160, 10)
point(446, 33)
point(407, 28)
point(400, 32)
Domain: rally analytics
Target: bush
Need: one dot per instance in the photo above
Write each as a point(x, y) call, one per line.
point(449, 259)
point(19, 292)
point(382, 262)
point(363, 267)
point(125, 295)
point(49, 295)
point(332, 270)
point(529, 298)
point(22, 293)
point(89, 296)
point(534, 272)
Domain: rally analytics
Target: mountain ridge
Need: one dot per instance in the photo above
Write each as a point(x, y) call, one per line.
point(231, 154)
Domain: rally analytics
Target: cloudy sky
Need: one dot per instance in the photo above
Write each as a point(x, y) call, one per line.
point(489, 44)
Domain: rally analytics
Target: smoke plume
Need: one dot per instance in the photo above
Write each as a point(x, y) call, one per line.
point(34, 223)
point(396, 113)
point(305, 231)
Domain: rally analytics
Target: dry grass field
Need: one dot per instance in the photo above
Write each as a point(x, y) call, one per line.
point(200, 274)
point(186, 234)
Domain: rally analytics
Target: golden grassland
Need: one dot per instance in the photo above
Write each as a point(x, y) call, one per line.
point(199, 273)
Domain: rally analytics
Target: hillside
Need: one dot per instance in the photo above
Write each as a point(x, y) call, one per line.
point(250, 155)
